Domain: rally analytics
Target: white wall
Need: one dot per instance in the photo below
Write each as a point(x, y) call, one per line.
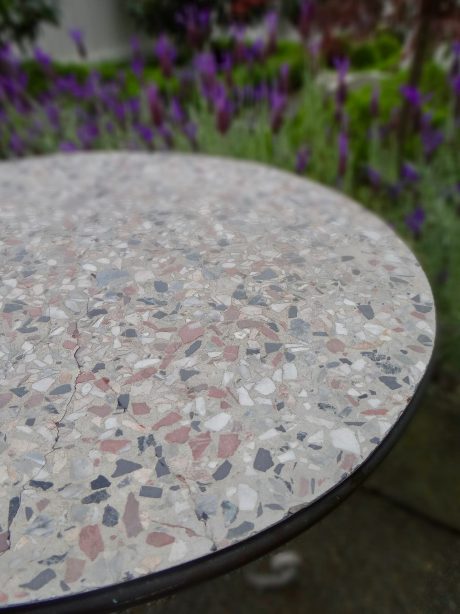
point(106, 29)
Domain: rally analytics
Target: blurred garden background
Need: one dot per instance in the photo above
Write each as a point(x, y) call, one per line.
point(361, 95)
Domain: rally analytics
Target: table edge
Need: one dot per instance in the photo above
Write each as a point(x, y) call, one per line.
point(115, 597)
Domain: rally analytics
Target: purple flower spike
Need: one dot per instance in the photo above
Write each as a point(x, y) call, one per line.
point(456, 49)
point(197, 23)
point(207, 68)
point(146, 134)
point(224, 112)
point(43, 59)
point(190, 131)
point(343, 153)
point(155, 106)
point(342, 65)
point(431, 140)
point(165, 53)
point(415, 220)
point(456, 85)
point(412, 95)
point(166, 135)
point(272, 22)
point(52, 112)
point(177, 113)
point(302, 159)
point(373, 177)
point(68, 147)
point(16, 144)
point(284, 78)
point(278, 104)
point(307, 11)
point(137, 62)
point(77, 37)
point(409, 173)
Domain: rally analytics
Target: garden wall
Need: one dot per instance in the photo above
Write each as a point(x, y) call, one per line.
point(106, 29)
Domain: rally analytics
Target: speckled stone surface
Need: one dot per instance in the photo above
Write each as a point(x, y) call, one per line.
point(191, 349)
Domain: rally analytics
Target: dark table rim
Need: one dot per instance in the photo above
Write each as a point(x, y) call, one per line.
point(152, 586)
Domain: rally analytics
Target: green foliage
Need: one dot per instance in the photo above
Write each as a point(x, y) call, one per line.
point(382, 52)
point(288, 53)
point(20, 20)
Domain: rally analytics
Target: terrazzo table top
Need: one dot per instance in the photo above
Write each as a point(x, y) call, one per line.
point(192, 349)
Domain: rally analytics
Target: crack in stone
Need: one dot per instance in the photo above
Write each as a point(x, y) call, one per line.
point(57, 426)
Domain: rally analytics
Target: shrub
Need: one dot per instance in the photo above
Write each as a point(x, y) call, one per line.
point(20, 20)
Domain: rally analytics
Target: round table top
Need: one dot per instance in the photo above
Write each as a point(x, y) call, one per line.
point(192, 350)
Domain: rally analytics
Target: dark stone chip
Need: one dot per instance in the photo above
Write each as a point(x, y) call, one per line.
point(40, 484)
point(52, 560)
point(272, 347)
point(186, 374)
point(19, 392)
point(160, 314)
point(241, 529)
point(161, 468)
point(63, 389)
point(30, 421)
point(143, 442)
point(240, 294)
point(221, 472)
point(10, 307)
point(13, 509)
point(110, 516)
point(263, 460)
point(99, 366)
point(160, 286)
point(292, 312)
point(129, 332)
point(258, 299)
point(390, 382)
point(96, 497)
point(193, 348)
point(151, 491)
point(125, 466)
point(123, 401)
point(40, 580)
point(26, 329)
point(367, 311)
point(97, 312)
point(100, 482)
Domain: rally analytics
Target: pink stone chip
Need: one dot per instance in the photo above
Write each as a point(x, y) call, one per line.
point(169, 419)
point(228, 444)
point(180, 435)
point(131, 518)
point(140, 409)
point(114, 445)
point(73, 569)
point(190, 332)
point(335, 345)
point(5, 399)
point(199, 444)
point(159, 539)
point(100, 410)
point(90, 541)
point(231, 352)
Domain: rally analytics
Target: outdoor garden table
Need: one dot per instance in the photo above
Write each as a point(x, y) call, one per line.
point(199, 357)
